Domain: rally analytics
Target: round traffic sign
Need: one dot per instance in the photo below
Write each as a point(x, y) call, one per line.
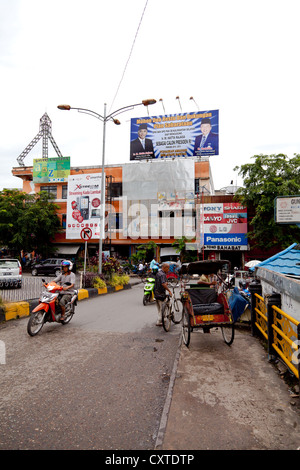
point(86, 233)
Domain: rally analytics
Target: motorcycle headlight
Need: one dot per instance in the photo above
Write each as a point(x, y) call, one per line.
point(47, 297)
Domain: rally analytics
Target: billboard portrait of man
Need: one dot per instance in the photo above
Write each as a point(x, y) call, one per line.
point(141, 148)
point(207, 143)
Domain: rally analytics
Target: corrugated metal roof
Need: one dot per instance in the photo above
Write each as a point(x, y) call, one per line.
point(285, 262)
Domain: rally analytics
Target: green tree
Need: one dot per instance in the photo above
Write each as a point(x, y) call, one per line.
point(265, 179)
point(28, 221)
point(186, 256)
point(143, 252)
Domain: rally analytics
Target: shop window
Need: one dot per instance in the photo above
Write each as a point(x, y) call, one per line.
point(64, 220)
point(51, 190)
point(64, 194)
point(115, 189)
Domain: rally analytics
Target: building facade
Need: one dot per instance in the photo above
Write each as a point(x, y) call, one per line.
point(159, 201)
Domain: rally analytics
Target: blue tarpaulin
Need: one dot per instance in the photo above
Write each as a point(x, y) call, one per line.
point(237, 304)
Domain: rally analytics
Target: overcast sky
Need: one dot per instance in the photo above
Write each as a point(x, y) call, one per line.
point(241, 57)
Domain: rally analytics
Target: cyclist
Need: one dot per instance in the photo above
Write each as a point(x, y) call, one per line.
point(160, 288)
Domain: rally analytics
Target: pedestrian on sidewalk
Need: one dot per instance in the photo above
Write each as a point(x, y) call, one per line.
point(160, 287)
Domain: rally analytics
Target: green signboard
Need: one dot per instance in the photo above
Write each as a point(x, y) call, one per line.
point(51, 170)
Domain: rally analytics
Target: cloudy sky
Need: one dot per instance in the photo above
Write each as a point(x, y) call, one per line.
point(241, 57)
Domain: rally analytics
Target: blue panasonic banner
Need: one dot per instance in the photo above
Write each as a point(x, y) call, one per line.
point(175, 135)
point(230, 239)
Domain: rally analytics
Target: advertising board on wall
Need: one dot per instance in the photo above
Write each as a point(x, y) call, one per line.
point(225, 226)
point(83, 205)
point(287, 210)
point(51, 170)
point(175, 135)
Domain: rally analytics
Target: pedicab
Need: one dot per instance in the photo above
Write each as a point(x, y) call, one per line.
point(206, 307)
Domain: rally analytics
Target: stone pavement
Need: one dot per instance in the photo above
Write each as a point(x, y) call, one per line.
point(228, 398)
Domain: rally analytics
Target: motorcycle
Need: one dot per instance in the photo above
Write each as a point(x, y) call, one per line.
point(49, 310)
point(149, 291)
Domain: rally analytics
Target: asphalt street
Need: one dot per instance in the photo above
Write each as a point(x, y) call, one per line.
point(112, 380)
point(98, 383)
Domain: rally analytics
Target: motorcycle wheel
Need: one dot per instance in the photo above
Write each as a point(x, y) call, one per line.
point(69, 316)
point(36, 323)
point(146, 299)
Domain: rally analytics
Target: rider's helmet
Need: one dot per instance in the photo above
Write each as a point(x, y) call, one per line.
point(68, 263)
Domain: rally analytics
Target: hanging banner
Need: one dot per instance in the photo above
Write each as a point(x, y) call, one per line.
point(51, 170)
point(175, 135)
point(83, 205)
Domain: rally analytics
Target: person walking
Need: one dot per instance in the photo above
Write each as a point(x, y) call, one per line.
point(160, 287)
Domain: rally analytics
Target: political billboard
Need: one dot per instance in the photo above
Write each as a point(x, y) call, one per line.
point(83, 205)
point(175, 135)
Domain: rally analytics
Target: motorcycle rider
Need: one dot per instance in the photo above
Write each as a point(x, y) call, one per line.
point(66, 279)
point(154, 266)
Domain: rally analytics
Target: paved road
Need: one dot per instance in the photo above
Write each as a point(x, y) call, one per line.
point(98, 383)
point(102, 382)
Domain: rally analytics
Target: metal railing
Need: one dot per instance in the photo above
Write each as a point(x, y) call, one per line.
point(280, 329)
point(32, 288)
point(286, 338)
point(261, 322)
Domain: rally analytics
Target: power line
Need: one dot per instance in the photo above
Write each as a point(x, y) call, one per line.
point(136, 34)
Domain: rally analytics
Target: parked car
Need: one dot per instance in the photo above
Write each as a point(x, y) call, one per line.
point(10, 273)
point(50, 267)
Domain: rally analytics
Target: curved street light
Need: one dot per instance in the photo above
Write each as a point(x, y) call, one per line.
point(104, 119)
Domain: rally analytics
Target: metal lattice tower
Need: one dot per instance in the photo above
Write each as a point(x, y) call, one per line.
point(45, 133)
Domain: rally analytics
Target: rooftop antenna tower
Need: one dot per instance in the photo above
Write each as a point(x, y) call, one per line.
point(45, 134)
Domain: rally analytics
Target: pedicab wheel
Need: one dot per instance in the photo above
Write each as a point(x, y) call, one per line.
point(228, 333)
point(166, 316)
point(186, 327)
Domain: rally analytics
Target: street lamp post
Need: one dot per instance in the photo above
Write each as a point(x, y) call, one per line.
point(104, 119)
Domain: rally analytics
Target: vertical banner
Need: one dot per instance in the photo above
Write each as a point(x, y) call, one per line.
point(175, 135)
point(84, 204)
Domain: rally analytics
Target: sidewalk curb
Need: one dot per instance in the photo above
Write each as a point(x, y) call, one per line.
point(15, 310)
point(164, 417)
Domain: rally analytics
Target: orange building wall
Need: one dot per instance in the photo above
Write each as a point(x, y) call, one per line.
point(201, 171)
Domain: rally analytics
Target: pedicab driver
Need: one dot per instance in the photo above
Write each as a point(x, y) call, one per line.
point(160, 287)
point(64, 279)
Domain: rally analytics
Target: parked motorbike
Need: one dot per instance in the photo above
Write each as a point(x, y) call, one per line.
point(149, 291)
point(49, 310)
point(244, 291)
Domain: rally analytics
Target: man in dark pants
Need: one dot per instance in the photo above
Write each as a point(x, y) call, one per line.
point(161, 285)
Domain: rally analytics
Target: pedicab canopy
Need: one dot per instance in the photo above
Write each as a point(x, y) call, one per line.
point(205, 267)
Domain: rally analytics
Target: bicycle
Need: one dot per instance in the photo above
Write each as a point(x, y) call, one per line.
point(171, 311)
